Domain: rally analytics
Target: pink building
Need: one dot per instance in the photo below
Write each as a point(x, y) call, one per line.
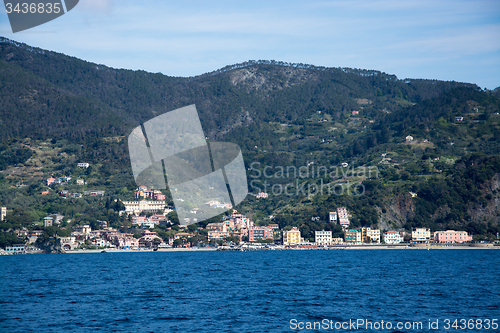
point(159, 196)
point(149, 239)
point(452, 236)
point(139, 220)
point(217, 231)
point(156, 219)
point(255, 234)
point(230, 225)
point(125, 241)
point(241, 221)
point(145, 193)
point(343, 217)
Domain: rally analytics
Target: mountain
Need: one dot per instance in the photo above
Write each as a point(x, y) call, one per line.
point(56, 110)
point(66, 94)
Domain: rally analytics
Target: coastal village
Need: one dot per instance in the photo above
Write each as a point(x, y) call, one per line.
point(148, 215)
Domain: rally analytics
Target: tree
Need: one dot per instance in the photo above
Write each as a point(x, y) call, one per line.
point(192, 227)
point(233, 239)
point(8, 239)
point(266, 241)
point(18, 217)
point(172, 216)
point(64, 233)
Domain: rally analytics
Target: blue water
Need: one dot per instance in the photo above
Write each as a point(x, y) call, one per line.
point(246, 291)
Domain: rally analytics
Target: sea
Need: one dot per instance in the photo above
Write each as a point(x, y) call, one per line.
point(257, 291)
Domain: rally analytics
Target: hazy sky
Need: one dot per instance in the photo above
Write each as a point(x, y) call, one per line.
point(446, 40)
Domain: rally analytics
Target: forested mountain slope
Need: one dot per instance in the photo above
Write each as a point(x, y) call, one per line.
point(57, 110)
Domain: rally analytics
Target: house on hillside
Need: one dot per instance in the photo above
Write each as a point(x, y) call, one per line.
point(262, 195)
point(63, 180)
point(47, 221)
point(50, 181)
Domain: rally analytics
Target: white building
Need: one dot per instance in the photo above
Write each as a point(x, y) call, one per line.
point(68, 243)
point(323, 237)
point(392, 237)
point(83, 229)
point(99, 242)
point(421, 235)
point(148, 224)
point(3, 213)
point(83, 165)
point(333, 217)
point(409, 138)
point(16, 249)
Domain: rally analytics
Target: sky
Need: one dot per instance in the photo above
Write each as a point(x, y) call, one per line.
point(446, 40)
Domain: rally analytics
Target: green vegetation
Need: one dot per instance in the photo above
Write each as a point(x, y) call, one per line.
point(57, 111)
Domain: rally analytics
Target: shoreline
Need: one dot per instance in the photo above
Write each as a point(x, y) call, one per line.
point(339, 247)
point(294, 248)
point(139, 251)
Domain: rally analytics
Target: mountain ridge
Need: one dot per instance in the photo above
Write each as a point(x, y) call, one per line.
point(135, 96)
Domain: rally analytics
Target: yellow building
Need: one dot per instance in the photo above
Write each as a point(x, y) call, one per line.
point(136, 207)
point(353, 236)
point(372, 235)
point(292, 237)
point(369, 235)
point(338, 240)
point(362, 235)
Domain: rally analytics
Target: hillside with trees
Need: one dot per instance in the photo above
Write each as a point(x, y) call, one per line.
point(56, 111)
